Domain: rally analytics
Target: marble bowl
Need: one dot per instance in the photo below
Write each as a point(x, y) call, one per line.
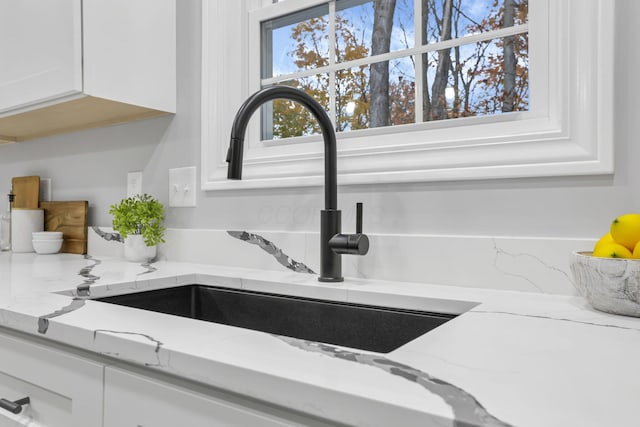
point(611, 285)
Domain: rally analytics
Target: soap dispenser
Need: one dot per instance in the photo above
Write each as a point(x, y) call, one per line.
point(5, 225)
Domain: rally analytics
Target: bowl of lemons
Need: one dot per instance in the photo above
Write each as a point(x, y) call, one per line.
point(609, 276)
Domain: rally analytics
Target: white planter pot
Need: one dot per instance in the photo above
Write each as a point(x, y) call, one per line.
point(136, 250)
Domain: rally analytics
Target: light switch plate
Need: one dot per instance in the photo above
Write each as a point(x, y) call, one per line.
point(134, 183)
point(182, 187)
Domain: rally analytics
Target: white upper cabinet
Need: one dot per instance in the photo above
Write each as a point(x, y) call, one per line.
point(41, 47)
point(76, 64)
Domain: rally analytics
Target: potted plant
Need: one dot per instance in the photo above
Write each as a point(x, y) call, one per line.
point(138, 219)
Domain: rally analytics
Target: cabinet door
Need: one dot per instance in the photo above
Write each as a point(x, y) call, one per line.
point(65, 390)
point(46, 408)
point(133, 400)
point(41, 51)
point(11, 420)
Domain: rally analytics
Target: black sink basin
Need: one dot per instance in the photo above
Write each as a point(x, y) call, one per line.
point(378, 329)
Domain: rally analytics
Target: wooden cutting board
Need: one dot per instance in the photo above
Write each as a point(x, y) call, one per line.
point(71, 219)
point(27, 192)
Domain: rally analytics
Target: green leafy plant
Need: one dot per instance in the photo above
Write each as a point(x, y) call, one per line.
point(140, 214)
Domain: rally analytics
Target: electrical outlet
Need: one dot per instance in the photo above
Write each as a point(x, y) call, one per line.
point(45, 190)
point(134, 183)
point(182, 187)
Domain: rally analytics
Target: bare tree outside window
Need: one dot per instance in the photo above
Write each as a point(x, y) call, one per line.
point(441, 81)
point(509, 67)
point(383, 11)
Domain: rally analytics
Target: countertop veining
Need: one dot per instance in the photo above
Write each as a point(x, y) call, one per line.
point(511, 358)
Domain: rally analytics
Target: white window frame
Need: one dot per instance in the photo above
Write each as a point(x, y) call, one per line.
point(569, 130)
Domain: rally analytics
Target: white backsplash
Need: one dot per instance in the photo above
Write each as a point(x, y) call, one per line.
point(507, 263)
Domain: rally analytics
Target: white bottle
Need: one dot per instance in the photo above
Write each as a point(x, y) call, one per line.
point(5, 227)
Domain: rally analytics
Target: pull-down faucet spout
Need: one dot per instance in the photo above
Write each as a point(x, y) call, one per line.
point(235, 154)
point(330, 222)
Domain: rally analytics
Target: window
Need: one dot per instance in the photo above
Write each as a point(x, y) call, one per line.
point(525, 87)
point(362, 60)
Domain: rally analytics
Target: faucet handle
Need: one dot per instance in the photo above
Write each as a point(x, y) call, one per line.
point(352, 244)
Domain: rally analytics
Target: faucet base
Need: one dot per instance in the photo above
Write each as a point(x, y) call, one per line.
point(330, 279)
point(330, 262)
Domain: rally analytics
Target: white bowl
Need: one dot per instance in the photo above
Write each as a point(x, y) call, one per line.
point(47, 246)
point(609, 284)
point(46, 235)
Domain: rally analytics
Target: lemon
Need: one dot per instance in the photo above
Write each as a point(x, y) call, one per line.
point(607, 238)
point(636, 251)
point(612, 250)
point(625, 230)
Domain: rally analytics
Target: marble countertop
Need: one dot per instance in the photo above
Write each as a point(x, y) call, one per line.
point(510, 358)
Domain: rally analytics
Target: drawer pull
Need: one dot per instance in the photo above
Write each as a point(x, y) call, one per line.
point(14, 407)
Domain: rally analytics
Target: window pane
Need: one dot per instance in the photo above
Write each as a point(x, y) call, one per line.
point(295, 42)
point(382, 94)
point(356, 26)
point(450, 19)
point(352, 99)
point(490, 78)
point(402, 92)
point(285, 119)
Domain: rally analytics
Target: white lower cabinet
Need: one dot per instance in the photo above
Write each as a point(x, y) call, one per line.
point(134, 400)
point(71, 388)
point(64, 390)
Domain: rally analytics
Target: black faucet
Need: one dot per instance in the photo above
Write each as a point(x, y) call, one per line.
point(332, 242)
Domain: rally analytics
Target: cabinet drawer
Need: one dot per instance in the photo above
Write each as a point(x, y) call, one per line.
point(65, 390)
point(46, 407)
point(134, 400)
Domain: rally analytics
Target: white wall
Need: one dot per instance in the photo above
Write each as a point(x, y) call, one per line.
point(92, 165)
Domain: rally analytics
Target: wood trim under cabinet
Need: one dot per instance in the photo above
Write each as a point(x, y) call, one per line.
point(7, 139)
point(78, 114)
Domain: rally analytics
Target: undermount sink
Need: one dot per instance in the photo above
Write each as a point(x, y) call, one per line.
point(378, 329)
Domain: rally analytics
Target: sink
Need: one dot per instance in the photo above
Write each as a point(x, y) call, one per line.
point(365, 327)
